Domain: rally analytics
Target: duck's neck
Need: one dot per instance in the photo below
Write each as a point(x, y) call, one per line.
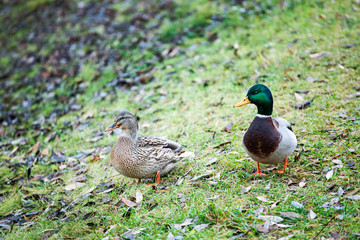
point(265, 108)
point(130, 133)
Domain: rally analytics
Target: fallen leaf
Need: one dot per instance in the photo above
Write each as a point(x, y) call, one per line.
point(302, 91)
point(209, 173)
point(245, 190)
point(263, 228)
point(14, 151)
point(354, 197)
point(312, 215)
point(130, 235)
point(95, 158)
point(283, 225)
point(57, 158)
point(200, 227)
point(349, 45)
point(187, 222)
point(311, 79)
point(229, 126)
point(212, 161)
point(184, 108)
point(340, 191)
point(334, 200)
point(318, 55)
point(170, 236)
point(88, 115)
point(329, 174)
point(139, 197)
point(299, 98)
point(271, 219)
point(81, 178)
point(297, 204)
point(19, 141)
point(352, 192)
point(50, 136)
point(290, 214)
point(222, 144)
point(95, 138)
point(337, 161)
point(34, 148)
point(302, 184)
point(325, 205)
point(303, 105)
point(45, 152)
point(263, 199)
point(74, 186)
point(128, 202)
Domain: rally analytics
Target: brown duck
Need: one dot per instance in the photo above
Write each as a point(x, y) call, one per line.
point(140, 157)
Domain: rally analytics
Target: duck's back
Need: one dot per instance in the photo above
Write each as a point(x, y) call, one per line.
point(142, 161)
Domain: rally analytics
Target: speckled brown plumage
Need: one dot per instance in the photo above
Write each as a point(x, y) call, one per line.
point(141, 156)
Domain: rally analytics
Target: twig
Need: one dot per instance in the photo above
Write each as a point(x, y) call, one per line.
point(325, 226)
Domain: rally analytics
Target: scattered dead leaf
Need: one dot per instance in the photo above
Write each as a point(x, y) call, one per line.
point(201, 227)
point(312, 215)
point(228, 127)
point(211, 161)
point(271, 219)
point(298, 97)
point(34, 148)
point(303, 105)
point(354, 197)
point(139, 197)
point(45, 152)
point(81, 178)
point(128, 202)
point(95, 158)
point(263, 199)
point(184, 108)
point(74, 186)
point(329, 174)
point(297, 204)
point(290, 214)
point(222, 144)
point(352, 192)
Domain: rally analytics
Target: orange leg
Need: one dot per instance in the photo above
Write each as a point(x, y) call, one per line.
point(285, 165)
point(258, 171)
point(157, 178)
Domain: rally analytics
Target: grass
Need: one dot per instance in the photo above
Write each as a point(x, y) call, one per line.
point(190, 101)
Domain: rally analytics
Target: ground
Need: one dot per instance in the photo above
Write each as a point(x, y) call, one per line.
point(67, 68)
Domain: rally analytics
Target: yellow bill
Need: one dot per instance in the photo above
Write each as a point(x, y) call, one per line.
point(242, 103)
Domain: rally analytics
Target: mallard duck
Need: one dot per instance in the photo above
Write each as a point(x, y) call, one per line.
point(141, 156)
point(268, 140)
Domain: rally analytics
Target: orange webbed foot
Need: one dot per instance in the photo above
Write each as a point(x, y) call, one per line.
point(258, 171)
point(157, 179)
point(282, 170)
point(258, 174)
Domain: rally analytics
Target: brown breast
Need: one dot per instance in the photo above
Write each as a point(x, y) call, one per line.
point(262, 137)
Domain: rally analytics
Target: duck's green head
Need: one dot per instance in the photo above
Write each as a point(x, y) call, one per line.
point(261, 96)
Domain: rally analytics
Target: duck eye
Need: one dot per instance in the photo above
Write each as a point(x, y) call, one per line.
point(256, 92)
